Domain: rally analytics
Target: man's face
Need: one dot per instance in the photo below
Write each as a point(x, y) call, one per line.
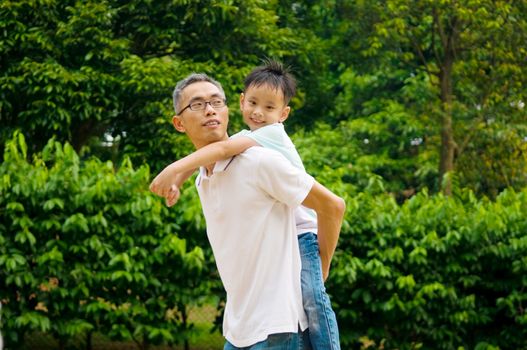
point(202, 126)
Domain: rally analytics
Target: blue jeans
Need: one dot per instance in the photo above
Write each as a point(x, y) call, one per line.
point(279, 341)
point(323, 328)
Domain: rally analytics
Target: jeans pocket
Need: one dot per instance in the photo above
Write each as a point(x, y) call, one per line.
point(280, 341)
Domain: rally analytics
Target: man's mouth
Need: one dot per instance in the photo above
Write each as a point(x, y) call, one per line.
point(212, 123)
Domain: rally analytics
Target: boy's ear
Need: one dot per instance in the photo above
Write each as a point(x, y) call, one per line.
point(176, 121)
point(285, 114)
point(242, 98)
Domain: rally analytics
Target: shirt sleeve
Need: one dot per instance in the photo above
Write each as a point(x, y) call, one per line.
point(281, 180)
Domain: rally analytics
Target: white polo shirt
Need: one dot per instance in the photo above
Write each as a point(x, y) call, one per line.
point(273, 136)
point(248, 205)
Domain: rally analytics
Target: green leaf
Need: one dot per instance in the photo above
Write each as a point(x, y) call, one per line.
point(34, 321)
point(50, 204)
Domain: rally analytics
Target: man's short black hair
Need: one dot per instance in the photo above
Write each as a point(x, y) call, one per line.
point(189, 80)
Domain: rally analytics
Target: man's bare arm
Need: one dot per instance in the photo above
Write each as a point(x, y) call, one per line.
point(330, 210)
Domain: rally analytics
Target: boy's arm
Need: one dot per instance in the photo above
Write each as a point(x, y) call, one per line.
point(330, 210)
point(173, 196)
point(204, 156)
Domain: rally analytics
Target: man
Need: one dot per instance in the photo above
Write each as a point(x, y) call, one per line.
point(248, 202)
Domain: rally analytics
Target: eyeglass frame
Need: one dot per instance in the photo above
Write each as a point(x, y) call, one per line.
point(205, 105)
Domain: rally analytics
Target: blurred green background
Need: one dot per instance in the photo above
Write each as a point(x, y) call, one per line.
point(413, 111)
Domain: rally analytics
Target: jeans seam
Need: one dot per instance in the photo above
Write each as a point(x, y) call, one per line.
point(319, 294)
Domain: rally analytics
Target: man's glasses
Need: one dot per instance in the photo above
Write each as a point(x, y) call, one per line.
point(215, 103)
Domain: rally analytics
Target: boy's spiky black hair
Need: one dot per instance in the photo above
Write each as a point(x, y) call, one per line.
point(274, 74)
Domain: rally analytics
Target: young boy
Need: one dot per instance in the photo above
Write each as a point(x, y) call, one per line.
point(264, 106)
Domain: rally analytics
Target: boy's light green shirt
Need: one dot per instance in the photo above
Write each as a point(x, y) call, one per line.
point(273, 136)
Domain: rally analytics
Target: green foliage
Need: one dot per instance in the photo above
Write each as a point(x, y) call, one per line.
point(86, 247)
point(473, 59)
point(409, 167)
point(435, 272)
point(99, 75)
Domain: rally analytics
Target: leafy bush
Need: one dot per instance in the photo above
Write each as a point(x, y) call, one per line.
point(85, 247)
point(435, 272)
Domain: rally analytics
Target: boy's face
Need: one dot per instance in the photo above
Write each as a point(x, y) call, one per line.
point(263, 105)
point(202, 126)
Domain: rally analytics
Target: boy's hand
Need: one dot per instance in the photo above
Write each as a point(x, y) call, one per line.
point(173, 196)
point(159, 187)
point(163, 182)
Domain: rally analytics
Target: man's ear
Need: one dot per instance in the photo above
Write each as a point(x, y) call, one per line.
point(285, 114)
point(176, 121)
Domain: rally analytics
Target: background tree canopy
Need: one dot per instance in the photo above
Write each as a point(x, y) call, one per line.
point(398, 101)
point(419, 88)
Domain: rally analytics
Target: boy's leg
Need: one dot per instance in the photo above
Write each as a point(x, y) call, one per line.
point(280, 341)
point(323, 328)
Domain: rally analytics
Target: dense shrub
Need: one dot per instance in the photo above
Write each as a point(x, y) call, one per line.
point(435, 272)
point(86, 248)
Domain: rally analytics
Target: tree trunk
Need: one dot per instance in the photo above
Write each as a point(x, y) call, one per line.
point(446, 162)
point(82, 133)
point(184, 320)
point(89, 338)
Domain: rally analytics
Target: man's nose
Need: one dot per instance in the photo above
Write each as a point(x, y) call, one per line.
point(209, 109)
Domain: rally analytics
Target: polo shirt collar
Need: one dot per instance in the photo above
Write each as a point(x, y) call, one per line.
point(219, 167)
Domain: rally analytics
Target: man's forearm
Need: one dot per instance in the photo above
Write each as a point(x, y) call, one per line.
point(329, 224)
point(330, 210)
